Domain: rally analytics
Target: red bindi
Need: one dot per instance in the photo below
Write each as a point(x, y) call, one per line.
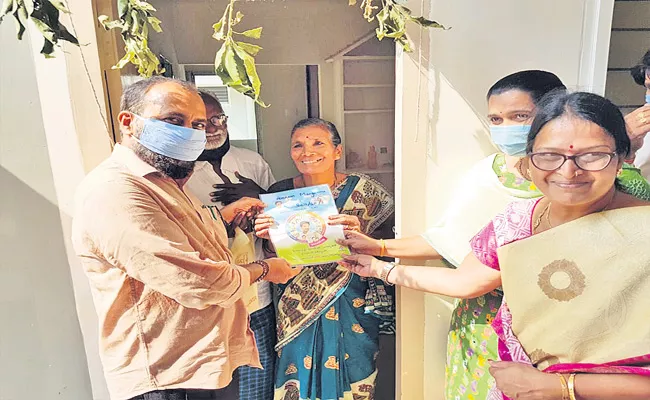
point(571, 147)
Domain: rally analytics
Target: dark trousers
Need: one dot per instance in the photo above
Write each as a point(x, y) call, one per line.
point(255, 383)
point(230, 392)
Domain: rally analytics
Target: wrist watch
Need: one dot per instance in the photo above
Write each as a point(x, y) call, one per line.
point(385, 271)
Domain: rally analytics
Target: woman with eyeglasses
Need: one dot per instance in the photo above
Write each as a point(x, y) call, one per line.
point(481, 193)
point(574, 264)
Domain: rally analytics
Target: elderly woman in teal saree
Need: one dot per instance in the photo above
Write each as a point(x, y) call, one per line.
point(328, 319)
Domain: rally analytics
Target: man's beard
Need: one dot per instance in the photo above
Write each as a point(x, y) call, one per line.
point(216, 154)
point(213, 144)
point(175, 169)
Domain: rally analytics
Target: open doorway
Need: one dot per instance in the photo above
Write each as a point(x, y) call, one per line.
point(337, 71)
point(365, 98)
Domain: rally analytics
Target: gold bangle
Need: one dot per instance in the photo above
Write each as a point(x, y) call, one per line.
point(565, 387)
point(382, 251)
point(572, 387)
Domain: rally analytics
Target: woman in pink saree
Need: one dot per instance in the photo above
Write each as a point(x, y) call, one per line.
point(574, 265)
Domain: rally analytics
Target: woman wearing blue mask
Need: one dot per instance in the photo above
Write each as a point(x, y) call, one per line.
point(483, 192)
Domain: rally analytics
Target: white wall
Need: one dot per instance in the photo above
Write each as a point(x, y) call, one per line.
point(286, 92)
point(63, 97)
point(41, 347)
point(441, 135)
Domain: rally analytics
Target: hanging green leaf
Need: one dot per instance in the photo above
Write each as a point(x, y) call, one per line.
point(60, 6)
point(7, 7)
point(143, 6)
point(238, 18)
point(155, 24)
point(382, 18)
point(45, 16)
point(251, 71)
point(122, 7)
point(104, 20)
point(235, 67)
point(234, 63)
point(392, 19)
point(253, 33)
point(251, 49)
point(427, 23)
point(21, 18)
point(218, 30)
point(134, 19)
point(368, 9)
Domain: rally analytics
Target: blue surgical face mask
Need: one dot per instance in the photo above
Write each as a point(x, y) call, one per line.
point(510, 139)
point(647, 98)
point(173, 141)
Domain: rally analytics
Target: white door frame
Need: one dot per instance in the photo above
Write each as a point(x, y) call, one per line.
point(596, 34)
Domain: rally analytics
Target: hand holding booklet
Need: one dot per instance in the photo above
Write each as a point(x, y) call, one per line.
point(300, 232)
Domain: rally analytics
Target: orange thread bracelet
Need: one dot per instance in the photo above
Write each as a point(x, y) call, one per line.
point(382, 251)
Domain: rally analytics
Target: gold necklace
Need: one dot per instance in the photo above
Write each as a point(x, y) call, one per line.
point(547, 212)
point(538, 221)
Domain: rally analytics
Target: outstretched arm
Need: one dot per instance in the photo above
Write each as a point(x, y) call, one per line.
point(471, 279)
point(415, 247)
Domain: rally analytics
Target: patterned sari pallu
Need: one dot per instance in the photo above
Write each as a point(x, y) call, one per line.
point(577, 294)
point(328, 319)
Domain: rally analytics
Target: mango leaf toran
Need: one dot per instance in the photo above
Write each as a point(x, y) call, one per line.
point(234, 62)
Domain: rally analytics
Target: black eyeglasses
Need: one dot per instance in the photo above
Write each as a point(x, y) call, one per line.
point(220, 119)
point(596, 161)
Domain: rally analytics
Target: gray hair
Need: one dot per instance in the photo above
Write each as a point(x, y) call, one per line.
point(330, 127)
point(208, 97)
point(134, 94)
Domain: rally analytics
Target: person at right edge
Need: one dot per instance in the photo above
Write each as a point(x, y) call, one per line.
point(638, 121)
point(483, 192)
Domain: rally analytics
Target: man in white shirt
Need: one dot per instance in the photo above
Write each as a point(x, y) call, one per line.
point(638, 121)
point(223, 174)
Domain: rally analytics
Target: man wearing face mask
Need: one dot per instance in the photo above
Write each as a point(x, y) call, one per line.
point(224, 177)
point(638, 121)
point(167, 293)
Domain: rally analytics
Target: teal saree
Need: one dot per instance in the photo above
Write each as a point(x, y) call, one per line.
point(328, 320)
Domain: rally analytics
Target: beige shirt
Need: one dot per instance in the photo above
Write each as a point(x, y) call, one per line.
point(167, 297)
point(248, 164)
